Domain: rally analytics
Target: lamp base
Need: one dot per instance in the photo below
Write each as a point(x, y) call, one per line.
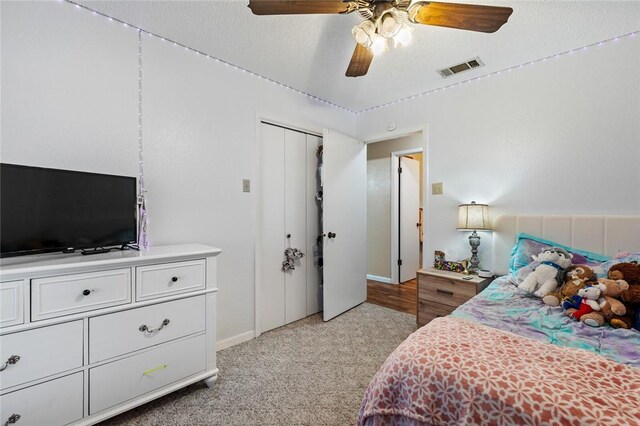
point(474, 242)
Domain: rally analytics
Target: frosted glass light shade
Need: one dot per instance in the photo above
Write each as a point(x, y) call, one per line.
point(473, 217)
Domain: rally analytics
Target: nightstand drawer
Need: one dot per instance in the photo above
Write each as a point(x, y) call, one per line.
point(446, 291)
point(428, 311)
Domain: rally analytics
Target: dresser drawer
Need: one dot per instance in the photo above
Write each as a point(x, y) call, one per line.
point(54, 403)
point(11, 303)
point(43, 352)
point(428, 311)
point(120, 333)
point(69, 294)
point(170, 278)
point(145, 372)
point(445, 291)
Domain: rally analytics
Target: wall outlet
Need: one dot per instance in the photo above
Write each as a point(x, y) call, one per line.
point(436, 188)
point(246, 185)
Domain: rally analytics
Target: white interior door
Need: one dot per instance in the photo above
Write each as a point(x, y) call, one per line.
point(344, 223)
point(409, 218)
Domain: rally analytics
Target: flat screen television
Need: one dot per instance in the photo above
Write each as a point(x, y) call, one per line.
point(47, 210)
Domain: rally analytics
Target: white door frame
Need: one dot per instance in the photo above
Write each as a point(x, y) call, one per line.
point(283, 122)
point(395, 219)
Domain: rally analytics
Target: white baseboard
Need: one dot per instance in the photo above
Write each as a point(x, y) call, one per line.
point(235, 340)
point(379, 279)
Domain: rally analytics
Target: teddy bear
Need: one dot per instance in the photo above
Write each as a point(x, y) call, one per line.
point(545, 277)
point(588, 303)
point(630, 272)
point(612, 310)
point(576, 278)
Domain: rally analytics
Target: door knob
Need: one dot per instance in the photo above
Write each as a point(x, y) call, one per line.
point(331, 235)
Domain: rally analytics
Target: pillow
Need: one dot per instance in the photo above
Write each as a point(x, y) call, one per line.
point(528, 245)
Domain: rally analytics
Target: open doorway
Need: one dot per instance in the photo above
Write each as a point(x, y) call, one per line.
point(394, 220)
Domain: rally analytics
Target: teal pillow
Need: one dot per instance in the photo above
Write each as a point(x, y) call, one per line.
point(528, 245)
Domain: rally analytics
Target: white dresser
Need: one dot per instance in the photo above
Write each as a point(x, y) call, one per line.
point(83, 338)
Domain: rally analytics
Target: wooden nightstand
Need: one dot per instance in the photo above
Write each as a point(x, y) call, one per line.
point(440, 292)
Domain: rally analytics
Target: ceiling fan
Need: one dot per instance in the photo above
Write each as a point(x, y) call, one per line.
point(387, 20)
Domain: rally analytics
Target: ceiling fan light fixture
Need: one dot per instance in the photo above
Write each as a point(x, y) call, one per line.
point(378, 44)
point(364, 33)
point(389, 23)
point(404, 36)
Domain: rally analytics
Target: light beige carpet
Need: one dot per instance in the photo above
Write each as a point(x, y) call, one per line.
point(306, 373)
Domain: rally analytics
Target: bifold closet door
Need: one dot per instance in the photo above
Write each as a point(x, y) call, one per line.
point(295, 223)
point(272, 228)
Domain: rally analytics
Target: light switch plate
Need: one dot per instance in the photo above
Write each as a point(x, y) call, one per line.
point(436, 188)
point(246, 185)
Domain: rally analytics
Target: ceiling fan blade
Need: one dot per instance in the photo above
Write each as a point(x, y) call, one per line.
point(360, 61)
point(472, 17)
point(300, 7)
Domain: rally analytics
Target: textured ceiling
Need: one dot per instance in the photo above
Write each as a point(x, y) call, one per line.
point(311, 52)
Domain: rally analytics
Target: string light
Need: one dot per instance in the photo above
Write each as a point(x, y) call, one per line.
point(143, 219)
point(520, 66)
point(386, 104)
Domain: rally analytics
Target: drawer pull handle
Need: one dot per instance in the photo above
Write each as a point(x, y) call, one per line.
point(86, 292)
point(13, 359)
point(174, 279)
point(146, 329)
point(447, 292)
point(12, 419)
point(153, 370)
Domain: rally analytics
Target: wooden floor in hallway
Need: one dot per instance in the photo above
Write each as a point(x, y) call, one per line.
point(400, 297)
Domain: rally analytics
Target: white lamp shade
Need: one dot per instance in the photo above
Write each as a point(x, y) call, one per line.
point(473, 217)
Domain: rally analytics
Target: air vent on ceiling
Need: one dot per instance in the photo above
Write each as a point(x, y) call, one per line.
point(455, 69)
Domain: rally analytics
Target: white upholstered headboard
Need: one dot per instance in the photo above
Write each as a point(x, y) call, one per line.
point(599, 234)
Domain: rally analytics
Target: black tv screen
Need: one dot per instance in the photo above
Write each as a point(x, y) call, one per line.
point(45, 210)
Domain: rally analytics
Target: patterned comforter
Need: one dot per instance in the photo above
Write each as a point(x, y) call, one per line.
point(501, 305)
point(456, 370)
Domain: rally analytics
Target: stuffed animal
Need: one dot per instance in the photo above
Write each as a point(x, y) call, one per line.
point(576, 278)
point(588, 304)
point(545, 277)
point(630, 272)
point(611, 310)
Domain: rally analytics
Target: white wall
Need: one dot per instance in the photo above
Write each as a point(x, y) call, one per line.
point(70, 100)
point(560, 136)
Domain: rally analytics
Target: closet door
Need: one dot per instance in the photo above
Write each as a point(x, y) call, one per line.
point(344, 223)
point(271, 228)
point(314, 291)
point(295, 222)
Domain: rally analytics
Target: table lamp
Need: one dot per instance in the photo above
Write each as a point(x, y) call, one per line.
point(473, 217)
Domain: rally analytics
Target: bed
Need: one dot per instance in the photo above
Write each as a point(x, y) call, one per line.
point(506, 358)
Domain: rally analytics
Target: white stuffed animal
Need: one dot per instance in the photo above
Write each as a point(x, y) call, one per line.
point(544, 279)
